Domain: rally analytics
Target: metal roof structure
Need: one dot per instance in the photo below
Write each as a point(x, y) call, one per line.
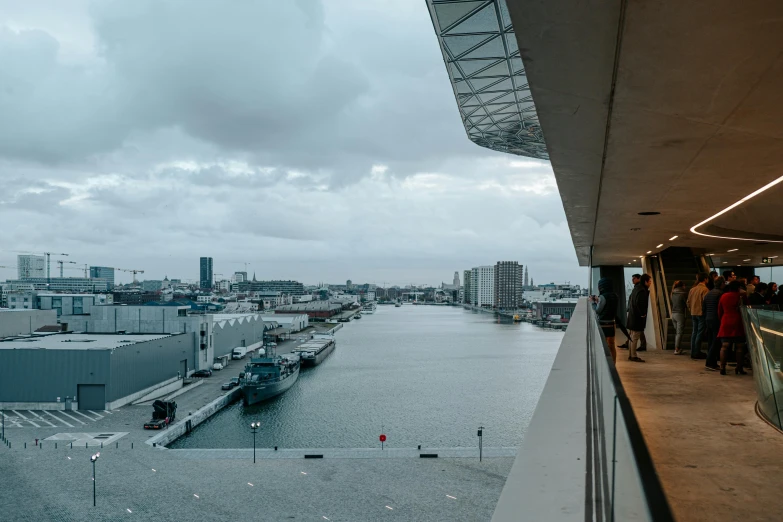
point(487, 74)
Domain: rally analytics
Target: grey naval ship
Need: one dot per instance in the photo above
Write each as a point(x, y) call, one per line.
point(267, 377)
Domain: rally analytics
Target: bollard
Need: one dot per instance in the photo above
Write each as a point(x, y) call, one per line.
point(101, 445)
point(55, 445)
point(40, 445)
point(85, 445)
point(117, 445)
point(25, 445)
point(419, 446)
point(71, 445)
point(275, 448)
point(131, 445)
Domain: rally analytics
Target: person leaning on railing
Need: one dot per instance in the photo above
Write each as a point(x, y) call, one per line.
point(605, 306)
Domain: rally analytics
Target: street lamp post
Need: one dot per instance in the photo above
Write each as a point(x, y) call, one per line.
point(254, 426)
point(94, 459)
point(481, 445)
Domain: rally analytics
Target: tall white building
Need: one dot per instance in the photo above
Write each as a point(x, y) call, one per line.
point(482, 286)
point(31, 266)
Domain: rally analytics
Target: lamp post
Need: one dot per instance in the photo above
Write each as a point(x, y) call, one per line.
point(94, 459)
point(481, 445)
point(254, 426)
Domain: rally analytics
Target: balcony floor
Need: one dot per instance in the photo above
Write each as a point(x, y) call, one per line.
point(717, 460)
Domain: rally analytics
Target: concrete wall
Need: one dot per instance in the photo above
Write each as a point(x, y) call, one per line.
point(19, 322)
point(141, 319)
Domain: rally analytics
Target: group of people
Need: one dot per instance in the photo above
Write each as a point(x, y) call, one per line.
point(713, 303)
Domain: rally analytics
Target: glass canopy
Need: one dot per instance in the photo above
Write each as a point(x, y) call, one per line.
point(488, 76)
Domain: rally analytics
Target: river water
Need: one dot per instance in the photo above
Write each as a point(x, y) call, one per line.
point(424, 375)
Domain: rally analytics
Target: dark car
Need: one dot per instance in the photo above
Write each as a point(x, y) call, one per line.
point(155, 424)
point(234, 381)
point(226, 386)
point(202, 373)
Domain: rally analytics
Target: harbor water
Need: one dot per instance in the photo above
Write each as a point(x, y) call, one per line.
point(426, 375)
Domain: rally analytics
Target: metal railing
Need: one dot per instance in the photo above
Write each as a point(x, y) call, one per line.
point(626, 485)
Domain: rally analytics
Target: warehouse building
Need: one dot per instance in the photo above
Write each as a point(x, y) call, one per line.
point(90, 371)
point(20, 321)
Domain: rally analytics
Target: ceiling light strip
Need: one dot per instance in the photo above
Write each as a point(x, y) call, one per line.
point(734, 205)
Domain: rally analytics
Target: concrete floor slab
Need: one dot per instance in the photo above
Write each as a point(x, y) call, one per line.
point(717, 460)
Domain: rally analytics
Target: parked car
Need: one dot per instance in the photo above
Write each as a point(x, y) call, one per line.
point(234, 381)
point(217, 366)
point(202, 373)
point(227, 386)
point(155, 424)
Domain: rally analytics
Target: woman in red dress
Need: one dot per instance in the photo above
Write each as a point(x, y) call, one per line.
point(731, 329)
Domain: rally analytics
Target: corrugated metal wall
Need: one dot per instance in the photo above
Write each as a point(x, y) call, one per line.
point(38, 375)
point(229, 336)
point(142, 365)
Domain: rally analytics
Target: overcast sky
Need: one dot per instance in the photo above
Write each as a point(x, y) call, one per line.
point(317, 141)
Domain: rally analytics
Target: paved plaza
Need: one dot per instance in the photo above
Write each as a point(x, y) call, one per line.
point(41, 484)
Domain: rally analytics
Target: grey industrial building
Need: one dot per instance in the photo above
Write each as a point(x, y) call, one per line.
point(89, 371)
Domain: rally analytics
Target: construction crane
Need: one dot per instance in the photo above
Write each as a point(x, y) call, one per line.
point(131, 270)
point(61, 263)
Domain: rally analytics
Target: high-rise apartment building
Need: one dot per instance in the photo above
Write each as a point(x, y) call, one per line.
point(482, 286)
point(526, 280)
point(30, 266)
point(103, 272)
point(456, 280)
point(508, 285)
point(466, 297)
point(205, 277)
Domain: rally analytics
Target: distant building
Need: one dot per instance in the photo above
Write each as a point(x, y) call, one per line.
point(65, 284)
point(205, 271)
point(30, 266)
point(349, 284)
point(240, 277)
point(508, 285)
point(525, 281)
point(135, 297)
point(482, 281)
point(456, 280)
point(319, 309)
point(466, 296)
point(71, 304)
point(546, 309)
point(103, 272)
point(285, 287)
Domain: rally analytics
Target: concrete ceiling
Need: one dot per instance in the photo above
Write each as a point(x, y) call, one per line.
point(672, 107)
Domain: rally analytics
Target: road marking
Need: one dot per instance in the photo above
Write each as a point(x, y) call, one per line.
point(72, 417)
point(13, 421)
point(453, 498)
point(25, 418)
point(42, 419)
point(83, 415)
point(128, 510)
point(196, 495)
point(59, 419)
point(389, 507)
point(107, 411)
point(249, 484)
point(99, 416)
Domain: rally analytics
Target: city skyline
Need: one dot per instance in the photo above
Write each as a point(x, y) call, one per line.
point(380, 183)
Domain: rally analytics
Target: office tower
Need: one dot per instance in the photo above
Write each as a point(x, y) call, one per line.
point(205, 277)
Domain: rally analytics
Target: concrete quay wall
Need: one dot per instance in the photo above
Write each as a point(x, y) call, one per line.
point(180, 427)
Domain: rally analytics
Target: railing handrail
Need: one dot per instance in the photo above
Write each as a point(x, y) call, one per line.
point(657, 503)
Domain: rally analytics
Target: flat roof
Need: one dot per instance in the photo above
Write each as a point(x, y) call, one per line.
point(66, 341)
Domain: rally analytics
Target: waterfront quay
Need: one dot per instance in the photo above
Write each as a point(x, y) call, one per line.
point(151, 484)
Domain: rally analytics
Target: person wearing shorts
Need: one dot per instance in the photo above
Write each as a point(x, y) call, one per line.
point(605, 306)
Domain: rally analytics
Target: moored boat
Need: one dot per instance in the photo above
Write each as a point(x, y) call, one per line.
point(267, 377)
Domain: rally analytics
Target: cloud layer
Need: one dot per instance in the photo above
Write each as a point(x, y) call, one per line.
point(313, 141)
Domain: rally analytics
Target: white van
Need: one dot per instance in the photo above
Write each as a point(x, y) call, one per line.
point(239, 352)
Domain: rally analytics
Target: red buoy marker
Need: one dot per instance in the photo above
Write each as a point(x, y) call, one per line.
point(382, 439)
